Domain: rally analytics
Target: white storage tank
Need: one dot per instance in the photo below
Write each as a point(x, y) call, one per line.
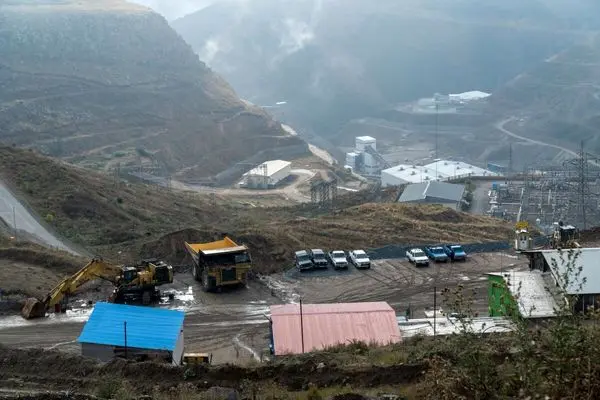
point(351, 159)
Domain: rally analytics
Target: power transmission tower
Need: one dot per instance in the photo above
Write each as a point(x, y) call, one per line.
point(582, 183)
point(437, 107)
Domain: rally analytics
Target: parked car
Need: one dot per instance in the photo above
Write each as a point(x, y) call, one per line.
point(338, 259)
point(455, 252)
point(302, 260)
point(437, 254)
point(319, 258)
point(360, 259)
point(418, 257)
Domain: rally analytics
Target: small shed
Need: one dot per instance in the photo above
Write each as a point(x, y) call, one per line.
point(137, 332)
point(319, 326)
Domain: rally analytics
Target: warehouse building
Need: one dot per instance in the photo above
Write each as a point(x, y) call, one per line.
point(297, 329)
point(267, 174)
point(578, 273)
point(433, 192)
point(116, 330)
point(445, 170)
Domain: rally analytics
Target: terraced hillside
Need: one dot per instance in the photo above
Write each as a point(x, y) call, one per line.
point(139, 220)
point(102, 83)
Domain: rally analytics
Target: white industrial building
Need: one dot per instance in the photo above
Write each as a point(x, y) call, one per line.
point(404, 173)
point(443, 169)
point(364, 158)
point(267, 174)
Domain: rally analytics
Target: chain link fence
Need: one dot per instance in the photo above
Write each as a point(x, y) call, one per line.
point(399, 251)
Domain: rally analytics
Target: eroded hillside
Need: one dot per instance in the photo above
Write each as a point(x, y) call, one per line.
point(110, 217)
point(93, 82)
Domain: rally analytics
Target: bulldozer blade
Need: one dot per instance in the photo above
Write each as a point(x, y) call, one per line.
point(33, 308)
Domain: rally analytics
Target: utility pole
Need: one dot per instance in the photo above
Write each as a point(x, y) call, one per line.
point(582, 191)
point(15, 222)
point(301, 327)
point(510, 160)
point(125, 333)
point(436, 138)
point(434, 310)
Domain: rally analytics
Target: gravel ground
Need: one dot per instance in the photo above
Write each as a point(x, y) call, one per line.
point(233, 325)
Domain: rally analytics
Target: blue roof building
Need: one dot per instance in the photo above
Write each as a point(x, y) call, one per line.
point(140, 332)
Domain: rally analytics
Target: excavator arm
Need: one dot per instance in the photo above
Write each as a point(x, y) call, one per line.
point(95, 269)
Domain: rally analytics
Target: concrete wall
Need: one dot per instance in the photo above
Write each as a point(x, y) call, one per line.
point(98, 351)
point(178, 352)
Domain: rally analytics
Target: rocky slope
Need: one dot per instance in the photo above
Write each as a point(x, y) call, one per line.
point(92, 81)
point(139, 220)
point(332, 66)
point(557, 100)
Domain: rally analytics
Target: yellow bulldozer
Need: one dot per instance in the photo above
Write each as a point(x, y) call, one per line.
point(132, 284)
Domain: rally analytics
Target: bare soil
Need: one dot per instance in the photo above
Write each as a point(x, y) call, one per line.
point(233, 325)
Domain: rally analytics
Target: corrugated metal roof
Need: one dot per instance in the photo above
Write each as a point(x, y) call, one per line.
point(451, 169)
point(587, 260)
point(446, 170)
point(272, 168)
point(530, 290)
point(448, 326)
point(439, 190)
point(147, 327)
point(327, 325)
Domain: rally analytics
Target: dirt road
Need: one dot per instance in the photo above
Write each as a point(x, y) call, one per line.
point(17, 216)
point(232, 325)
point(500, 126)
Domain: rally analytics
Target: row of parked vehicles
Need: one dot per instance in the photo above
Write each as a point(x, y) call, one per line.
point(339, 259)
point(450, 252)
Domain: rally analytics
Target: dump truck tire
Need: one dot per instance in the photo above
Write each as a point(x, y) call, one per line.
point(196, 272)
point(33, 308)
point(208, 284)
point(146, 297)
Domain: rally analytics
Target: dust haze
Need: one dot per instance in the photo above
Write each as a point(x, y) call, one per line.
point(175, 9)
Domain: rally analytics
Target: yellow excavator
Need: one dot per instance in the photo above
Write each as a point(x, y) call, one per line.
point(132, 285)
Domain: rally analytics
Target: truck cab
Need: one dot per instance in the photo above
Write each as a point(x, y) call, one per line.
point(455, 252)
point(302, 261)
point(318, 258)
point(436, 253)
point(338, 259)
point(417, 257)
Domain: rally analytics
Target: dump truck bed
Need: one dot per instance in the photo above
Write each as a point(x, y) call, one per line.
point(220, 246)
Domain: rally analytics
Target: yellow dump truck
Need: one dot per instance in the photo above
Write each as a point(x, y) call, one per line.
point(218, 264)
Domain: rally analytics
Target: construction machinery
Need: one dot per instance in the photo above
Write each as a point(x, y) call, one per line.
point(132, 284)
point(564, 236)
point(220, 263)
point(197, 359)
point(523, 240)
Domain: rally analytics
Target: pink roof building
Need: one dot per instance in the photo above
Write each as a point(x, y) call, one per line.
point(325, 325)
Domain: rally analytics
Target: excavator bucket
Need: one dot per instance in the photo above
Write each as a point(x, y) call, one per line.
point(33, 308)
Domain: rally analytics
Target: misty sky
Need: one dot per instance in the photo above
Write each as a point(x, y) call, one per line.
point(172, 9)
